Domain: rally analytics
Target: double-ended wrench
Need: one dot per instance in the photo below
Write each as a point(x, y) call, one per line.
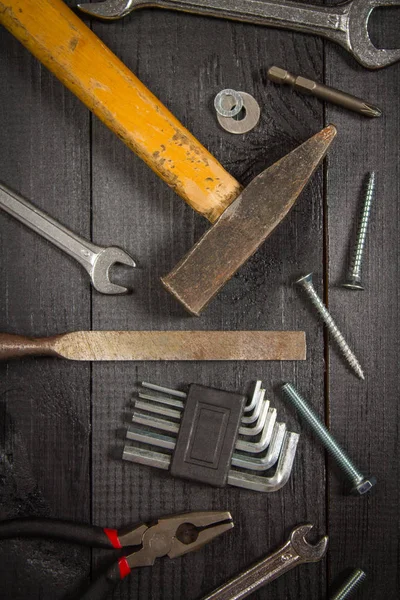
point(345, 23)
point(97, 260)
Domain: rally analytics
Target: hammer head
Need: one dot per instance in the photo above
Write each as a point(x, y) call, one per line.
point(245, 224)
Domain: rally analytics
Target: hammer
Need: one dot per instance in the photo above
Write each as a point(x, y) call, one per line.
point(242, 219)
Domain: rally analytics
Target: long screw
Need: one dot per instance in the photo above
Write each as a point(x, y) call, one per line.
point(307, 284)
point(360, 483)
point(353, 279)
point(350, 585)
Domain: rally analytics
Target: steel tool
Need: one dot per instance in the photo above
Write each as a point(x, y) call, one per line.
point(282, 448)
point(360, 484)
point(353, 279)
point(240, 460)
point(168, 536)
point(324, 92)
point(256, 483)
point(345, 23)
point(295, 552)
point(97, 260)
point(70, 50)
point(272, 434)
point(159, 345)
point(307, 284)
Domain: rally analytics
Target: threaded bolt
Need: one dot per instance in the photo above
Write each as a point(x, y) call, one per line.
point(360, 483)
point(307, 285)
point(350, 585)
point(353, 279)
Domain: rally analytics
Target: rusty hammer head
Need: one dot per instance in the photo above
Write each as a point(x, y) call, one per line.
point(245, 224)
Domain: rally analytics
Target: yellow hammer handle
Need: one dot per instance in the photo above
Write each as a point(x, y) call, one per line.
point(74, 54)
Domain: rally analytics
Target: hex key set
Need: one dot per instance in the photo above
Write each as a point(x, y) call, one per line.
point(197, 422)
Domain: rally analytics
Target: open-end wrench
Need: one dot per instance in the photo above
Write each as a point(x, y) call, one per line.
point(295, 552)
point(345, 23)
point(97, 260)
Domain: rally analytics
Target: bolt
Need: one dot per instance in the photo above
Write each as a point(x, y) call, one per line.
point(306, 283)
point(353, 279)
point(350, 585)
point(360, 484)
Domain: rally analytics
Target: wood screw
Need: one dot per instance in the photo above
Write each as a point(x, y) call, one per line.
point(353, 279)
point(307, 285)
point(360, 484)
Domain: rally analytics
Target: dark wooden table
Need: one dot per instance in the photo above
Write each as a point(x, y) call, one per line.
point(62, 423)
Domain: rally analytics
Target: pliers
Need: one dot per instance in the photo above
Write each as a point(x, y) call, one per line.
point(169, 536)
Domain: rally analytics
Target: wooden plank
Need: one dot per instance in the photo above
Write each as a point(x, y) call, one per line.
point(365, 416)
point(185, 60)
point(45, 405)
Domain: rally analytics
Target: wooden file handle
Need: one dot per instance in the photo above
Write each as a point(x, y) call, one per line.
point(74, 54)
point(18, 346)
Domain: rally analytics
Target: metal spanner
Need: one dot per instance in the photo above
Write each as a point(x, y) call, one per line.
point(97, 260)
point(346, 23)
point(295, 552)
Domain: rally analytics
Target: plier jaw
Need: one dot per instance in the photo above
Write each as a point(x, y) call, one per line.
point(179, 534)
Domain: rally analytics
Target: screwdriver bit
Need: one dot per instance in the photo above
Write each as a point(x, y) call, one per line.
point(323, 92)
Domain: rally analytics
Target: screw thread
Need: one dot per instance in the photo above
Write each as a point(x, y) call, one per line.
point(350, 585)
point(332, 327)
point(322, 434)
point(357, 257)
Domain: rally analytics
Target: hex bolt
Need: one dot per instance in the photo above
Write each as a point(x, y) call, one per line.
point(350, 585)
point(353, 278)
point(360, 484)
point(307, 285)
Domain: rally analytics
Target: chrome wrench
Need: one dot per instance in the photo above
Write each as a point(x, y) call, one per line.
point(97, 260)
point(295, 552)
point(345, 23)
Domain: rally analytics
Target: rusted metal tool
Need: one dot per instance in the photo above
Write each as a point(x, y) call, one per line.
point(323, 92)
point(159, 345)
point(345, 23)
point(70, 50)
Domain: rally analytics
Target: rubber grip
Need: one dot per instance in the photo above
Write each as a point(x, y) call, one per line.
point(74, 54)
point(102, 586)
point(56, 529)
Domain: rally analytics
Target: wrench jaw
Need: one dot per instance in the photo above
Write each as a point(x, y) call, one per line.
point(99, 271)
point(109, 10)
point(307, 552)
point(359, 42)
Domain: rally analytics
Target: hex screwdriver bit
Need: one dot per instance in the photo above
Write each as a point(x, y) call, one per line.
point(324, 92)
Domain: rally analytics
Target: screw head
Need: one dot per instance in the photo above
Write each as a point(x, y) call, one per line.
point(305, 279)
point(364, 486)
point(353, 284)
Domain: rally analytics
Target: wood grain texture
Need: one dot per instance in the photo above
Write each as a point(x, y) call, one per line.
point(44, 409)
point(47, 406)
point(365, 417)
